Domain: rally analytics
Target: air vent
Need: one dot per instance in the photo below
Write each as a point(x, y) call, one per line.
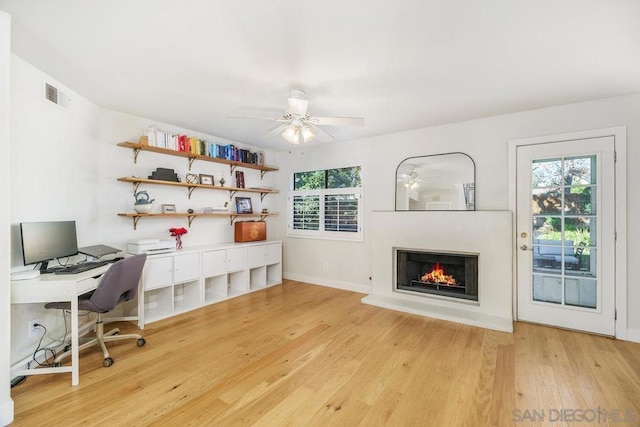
point(51, 93)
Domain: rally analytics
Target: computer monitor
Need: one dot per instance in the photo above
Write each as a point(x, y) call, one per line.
point(46, 241)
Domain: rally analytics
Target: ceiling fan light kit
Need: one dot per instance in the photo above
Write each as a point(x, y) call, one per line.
point(297, 134)
point(298, 126)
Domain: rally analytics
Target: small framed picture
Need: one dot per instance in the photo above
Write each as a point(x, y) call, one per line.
point(206, 179)
point(243, 205)
point(192, 178)
point(168, 208)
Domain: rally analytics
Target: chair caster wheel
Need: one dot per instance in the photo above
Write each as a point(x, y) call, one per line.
point(67, 347)
point(107, 362)
point(57, 364)
point(141, 342)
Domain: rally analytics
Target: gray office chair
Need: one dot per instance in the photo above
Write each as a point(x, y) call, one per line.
point(118, 284)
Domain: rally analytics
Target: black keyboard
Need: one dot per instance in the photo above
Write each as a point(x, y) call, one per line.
point(79, 268)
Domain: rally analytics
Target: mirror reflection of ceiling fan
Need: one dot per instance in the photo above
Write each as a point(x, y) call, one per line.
point(297, 125)
point(410, 179)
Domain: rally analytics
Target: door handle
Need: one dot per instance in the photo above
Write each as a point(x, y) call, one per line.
point(525, 248)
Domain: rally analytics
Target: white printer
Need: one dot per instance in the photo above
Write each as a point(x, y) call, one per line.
point(151, 246)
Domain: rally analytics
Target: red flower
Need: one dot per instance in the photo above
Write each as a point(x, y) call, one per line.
point(178, 231)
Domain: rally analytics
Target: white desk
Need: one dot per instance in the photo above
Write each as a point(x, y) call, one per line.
point(50, 288)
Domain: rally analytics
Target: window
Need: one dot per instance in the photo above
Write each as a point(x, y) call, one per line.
point(326, 204)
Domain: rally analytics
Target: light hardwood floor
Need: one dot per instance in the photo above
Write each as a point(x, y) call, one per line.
point(299, 354)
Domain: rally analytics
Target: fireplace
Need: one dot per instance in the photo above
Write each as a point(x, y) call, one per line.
point(438, 273)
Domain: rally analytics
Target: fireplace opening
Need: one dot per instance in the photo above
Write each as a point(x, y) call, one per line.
point(439, 273)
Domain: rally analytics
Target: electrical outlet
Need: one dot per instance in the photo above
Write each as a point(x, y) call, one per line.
point(34, 330)
point(325, 266)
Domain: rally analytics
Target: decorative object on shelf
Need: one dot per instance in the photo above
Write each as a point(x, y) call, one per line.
point(243, 205)
point(222, 182)
point(190, 210)
point(164, 174)
point(206, 179)
point(177, 233)
point(143, 204)
point(168, 208)
point(192, 178)
point(264, 211)
point(250, 231)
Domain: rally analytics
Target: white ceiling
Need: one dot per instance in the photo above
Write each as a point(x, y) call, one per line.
point(399, 64)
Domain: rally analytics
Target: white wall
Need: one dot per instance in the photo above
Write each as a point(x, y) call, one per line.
point(65, 166)
point(486, 141)
point(6, 404)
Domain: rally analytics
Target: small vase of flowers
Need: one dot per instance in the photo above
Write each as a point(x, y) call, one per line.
point(177, 233)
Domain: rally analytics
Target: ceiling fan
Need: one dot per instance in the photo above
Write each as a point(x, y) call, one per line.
point(297, 125)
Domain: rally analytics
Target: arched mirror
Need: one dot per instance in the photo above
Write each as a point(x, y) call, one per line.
point(442, 182)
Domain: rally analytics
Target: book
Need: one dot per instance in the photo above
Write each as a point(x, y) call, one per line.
point(239, 179)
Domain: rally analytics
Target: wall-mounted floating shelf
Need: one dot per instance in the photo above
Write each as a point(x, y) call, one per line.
point(191, 216)
point(190, 187)
point(137, 147)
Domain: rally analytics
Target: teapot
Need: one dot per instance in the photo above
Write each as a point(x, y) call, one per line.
point(142, 204)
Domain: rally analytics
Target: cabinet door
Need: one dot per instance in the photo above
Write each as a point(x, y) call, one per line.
point(256, 256)
point(214, 263)
point(187, 267)
point(157, 272)
point(273, 253)
point(236, 259)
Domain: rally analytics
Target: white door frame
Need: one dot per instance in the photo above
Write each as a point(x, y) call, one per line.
point(620, 139)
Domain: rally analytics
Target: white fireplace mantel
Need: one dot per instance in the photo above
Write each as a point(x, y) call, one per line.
point(487, 233)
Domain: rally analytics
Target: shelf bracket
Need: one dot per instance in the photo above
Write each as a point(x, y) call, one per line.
point(135, 221)
point(135, 155)
point(190, 190)
point(262, 174)
point(262, 196)
point(231, 169)
point(262, 217)
point(136, 185)
point(231, 194)
point(191, 160)
point(190, 218)
point(232, 218)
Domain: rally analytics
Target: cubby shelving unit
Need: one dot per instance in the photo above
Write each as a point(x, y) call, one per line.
point(185, 280)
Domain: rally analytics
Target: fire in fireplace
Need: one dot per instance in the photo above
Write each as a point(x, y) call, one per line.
point(436, 276)
point(446, 274)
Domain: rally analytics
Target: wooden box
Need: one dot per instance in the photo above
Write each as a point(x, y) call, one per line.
point(250, 231)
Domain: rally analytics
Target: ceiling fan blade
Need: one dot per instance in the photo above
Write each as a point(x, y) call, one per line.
point(276, 130)
point(337, 121)
point(317, 130)
point(271, 119)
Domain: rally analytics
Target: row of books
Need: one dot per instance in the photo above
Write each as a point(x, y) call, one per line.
point(193, 145)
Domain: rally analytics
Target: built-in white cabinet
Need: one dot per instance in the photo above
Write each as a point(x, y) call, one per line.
point(225, 273)
point(191, 278)
point(265, 265)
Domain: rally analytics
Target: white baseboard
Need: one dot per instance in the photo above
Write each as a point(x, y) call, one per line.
point(6, 412)
point(633, 335)
point(346, 286)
